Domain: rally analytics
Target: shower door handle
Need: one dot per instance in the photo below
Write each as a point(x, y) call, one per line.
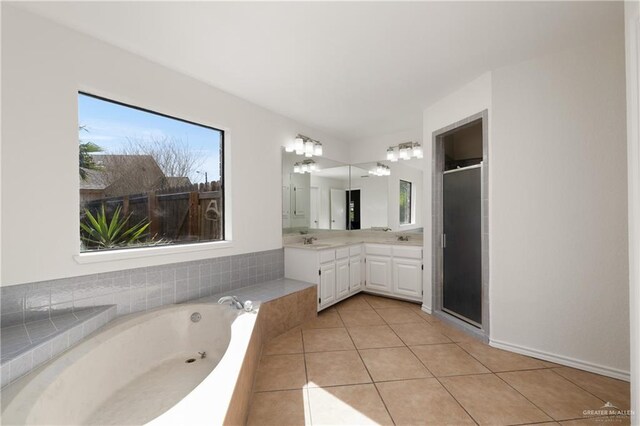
point(443, 241)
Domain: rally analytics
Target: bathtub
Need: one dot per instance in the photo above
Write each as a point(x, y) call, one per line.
point(157, 367)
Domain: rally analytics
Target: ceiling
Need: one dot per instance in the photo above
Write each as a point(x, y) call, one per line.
point(351, 69)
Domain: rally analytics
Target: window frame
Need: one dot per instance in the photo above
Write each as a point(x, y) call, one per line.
point(93, 256)
point(410, 203)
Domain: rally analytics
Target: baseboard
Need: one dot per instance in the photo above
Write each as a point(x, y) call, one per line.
point(426, 309)
point(562, 360)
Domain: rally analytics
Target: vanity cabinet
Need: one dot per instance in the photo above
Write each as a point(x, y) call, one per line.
point(338, 272)
point(384, 269)
point(394, 270)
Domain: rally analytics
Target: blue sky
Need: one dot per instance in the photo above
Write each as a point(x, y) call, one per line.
point(110, 125)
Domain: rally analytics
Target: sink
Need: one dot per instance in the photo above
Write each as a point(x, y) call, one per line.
point(318, 245)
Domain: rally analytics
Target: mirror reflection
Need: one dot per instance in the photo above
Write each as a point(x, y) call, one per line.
point(387, 195)
point(315, 193)
point(323, 194)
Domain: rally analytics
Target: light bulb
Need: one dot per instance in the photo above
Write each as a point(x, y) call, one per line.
point(289, 147)
point(404, 154)
point(317, 150)
point(390, 154)
point(308, 149)
point(417, 151)
point(298, 145)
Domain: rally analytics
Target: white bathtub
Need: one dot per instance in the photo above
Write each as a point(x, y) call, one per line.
point(135, 372)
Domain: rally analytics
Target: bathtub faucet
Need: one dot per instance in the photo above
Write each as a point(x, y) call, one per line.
point(234, 301)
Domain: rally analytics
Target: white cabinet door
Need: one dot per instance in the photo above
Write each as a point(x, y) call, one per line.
point(407, 277)
point(342, 278)
point(378, 273)
point(327, 283)
point(355, 271)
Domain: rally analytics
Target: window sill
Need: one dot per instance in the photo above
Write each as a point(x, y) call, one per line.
point(136, 253)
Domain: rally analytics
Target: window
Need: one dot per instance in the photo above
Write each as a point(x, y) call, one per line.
point(147, 179)
point(405, 202)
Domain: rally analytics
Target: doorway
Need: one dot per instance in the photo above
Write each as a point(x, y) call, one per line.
point(338, 209)
point(460, 224)
point(353, 212)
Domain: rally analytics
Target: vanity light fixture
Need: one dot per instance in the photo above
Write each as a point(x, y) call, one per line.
point(304, 145)
point(380, 170)
point(306, 166)
point(404, 151)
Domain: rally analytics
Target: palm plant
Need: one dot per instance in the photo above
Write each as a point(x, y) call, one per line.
point(86, 159)
point(97, 231)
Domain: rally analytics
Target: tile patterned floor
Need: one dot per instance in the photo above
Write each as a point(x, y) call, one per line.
point(372, 360)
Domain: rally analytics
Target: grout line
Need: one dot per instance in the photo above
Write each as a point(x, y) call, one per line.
point(305, 390)
point(444, 387)
point(577, 385)
point(370, 376)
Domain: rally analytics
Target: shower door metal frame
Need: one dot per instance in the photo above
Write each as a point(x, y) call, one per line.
point(481, 330)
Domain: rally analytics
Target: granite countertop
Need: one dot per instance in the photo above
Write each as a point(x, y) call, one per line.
point(323, 244)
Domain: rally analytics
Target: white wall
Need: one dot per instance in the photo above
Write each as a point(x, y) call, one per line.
point(557, 203)
point(324, 186)
point(375, 148)
point(632, 37)
point(558, 206)
point(43, 67)
point(470, 99)
point(374, 200)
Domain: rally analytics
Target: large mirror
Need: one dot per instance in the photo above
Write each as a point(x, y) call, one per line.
point(323, 194)
point(315, 193)
point(387, 195)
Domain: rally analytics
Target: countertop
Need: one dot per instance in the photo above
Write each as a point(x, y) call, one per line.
point(324, 244)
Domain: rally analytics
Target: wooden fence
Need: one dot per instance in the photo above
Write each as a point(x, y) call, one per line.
point(188, 213)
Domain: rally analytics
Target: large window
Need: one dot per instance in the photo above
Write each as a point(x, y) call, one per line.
point(147, 179)
point(405, 202)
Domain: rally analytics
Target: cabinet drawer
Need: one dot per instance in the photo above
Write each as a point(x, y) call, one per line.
point(341, 253)
point(355, 250)
point(378, 249)
point(327, 256)
point(407, 252)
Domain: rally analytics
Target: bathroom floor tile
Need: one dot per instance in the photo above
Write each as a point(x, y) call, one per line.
point(375, 336)
point(347, 405)
point(607, 389)
point(280, 372)
point(452, 333)
point(554, 394)
point(498, 360)
point(422, 402)
point(361, 318)
point(490, 401)
point(393, 364)
point(354, 303)
point(287, 343)
point(277, 408)
point(399, 316)
point(326, 319)
point(383, 302)
point(448, 360)
point(326, 339)
point(419, 334)
point(335, 368)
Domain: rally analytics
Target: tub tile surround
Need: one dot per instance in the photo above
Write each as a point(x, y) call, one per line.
point(359, 374)
point(26, 346)
point(41, 320)
point(138, 289)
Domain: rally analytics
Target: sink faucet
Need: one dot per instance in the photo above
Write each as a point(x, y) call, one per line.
point(234, 301)
point(308, 240)
point(403, 238)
